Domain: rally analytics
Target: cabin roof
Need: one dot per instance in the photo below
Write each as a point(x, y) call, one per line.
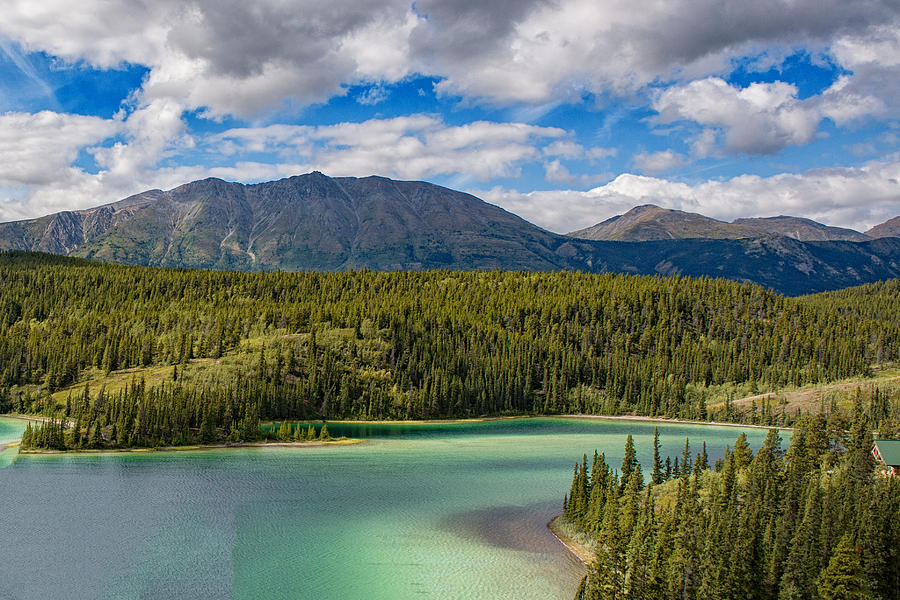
point(890, 451)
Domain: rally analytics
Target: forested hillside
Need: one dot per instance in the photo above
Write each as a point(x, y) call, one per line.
point(157, 356)
point(814, 522)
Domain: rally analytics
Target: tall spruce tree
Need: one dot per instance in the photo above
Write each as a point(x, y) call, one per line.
point(843, 579)
point(656, 476)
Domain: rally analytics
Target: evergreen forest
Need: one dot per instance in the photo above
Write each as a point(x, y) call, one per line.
point(815, 521)
point(121, 356)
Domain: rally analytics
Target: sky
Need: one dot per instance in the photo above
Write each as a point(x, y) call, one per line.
point(565, 112)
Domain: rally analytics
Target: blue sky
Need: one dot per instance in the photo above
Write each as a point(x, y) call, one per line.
point(565, 112)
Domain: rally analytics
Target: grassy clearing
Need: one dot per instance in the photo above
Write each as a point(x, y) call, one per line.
point(233, 365)
point(812, 399)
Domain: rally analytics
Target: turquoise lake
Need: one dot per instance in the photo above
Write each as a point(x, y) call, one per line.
point(415, 511)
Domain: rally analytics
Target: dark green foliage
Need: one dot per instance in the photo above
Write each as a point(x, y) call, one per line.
point(417, 345)
point(843, 579)
point(805, 524)
point(168, 415)
point(658, 475)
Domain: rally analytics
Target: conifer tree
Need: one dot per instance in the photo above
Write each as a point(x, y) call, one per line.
point(656, 476)
point(842, 579)
point(742, 452)
point(629, 462)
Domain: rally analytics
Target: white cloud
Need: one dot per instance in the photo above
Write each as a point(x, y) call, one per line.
point(556, 172)
point(762, 118)
point(845, 197)
point(598, 153)
point(246, 59)
point(411, 147)
point(533, 52)
point(36, 149)
point(659, 162)
point(565, 149)
point(37, 153)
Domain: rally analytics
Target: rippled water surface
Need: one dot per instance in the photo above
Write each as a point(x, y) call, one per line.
point(416, 511)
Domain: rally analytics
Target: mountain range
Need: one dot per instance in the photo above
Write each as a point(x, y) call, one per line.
point(650, 222)
point(316, 222)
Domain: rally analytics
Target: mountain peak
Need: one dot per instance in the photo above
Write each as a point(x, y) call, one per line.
point(652, 222)
point(309, 221)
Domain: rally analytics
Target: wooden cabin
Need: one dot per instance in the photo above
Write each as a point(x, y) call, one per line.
point(887, 456)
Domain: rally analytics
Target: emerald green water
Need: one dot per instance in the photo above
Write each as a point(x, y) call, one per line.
point(447, 511)
point(10, 431)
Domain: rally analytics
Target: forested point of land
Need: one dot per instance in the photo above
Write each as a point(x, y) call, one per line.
point(135, 356)
point(817, 522)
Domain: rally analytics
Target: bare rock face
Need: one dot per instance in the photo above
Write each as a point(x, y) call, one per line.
point(890, 228)
point(329, 224)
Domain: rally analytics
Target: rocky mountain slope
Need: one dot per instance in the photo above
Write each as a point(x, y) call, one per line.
point(890, 228)
point(305, 222)
point(321, 223)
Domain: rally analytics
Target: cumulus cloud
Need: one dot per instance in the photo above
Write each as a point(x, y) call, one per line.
point(39, 154)
point(232, 57)
point(762, 118)
point(411, 147)
point(759, 119)
point(857, 198)
point(556, 172)
point(35, 149)
point(228, 57)
point(534, 51)
point(659, 162)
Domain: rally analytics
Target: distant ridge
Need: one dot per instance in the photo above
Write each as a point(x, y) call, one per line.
point(651, 222)
point(316, 222)
point(805, 230)
point(890, 228)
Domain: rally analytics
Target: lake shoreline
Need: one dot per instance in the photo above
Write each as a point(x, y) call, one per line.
point(351, 441)
point(557, 527)
point(196, 447)
point(636, 418)
point(642, 419)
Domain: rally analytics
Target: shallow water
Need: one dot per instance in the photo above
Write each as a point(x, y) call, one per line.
point(440, 511)
point(10, 431)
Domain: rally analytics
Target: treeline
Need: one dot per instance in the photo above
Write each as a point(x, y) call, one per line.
point(168, 415)
point(415, 345)
point(814, 522)
point(141, 416)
